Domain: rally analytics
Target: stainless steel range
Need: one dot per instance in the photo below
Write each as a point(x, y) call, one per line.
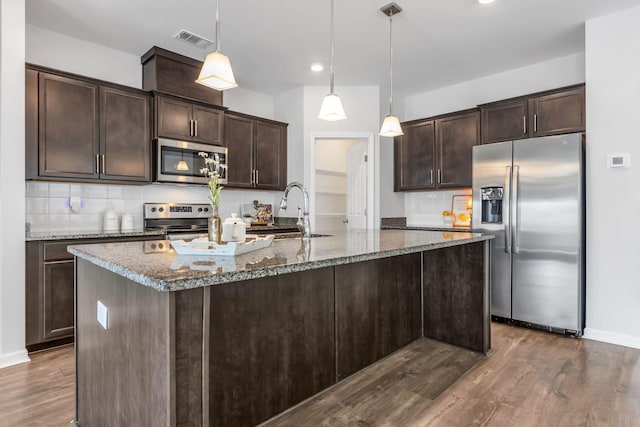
point(178, 220)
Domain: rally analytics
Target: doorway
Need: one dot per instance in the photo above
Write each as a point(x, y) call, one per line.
point(341, 183)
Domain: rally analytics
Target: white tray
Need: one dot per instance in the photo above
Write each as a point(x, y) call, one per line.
point(205, 247)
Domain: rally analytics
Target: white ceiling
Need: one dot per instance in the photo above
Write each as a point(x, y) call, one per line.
point(272, 43)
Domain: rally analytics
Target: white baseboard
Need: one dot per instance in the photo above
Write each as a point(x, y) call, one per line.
point(612, 337)
point(14, 358)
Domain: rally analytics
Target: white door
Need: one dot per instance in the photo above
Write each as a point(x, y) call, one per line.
point(357, 186)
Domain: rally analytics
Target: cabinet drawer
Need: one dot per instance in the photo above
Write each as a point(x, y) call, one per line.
point(57, 251)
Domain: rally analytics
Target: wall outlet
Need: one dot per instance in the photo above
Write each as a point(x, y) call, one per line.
point(103, 315)
point(620, 160)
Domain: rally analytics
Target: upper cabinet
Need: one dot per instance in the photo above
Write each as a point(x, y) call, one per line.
point(436, 153)
point(187, 121)
point(257, 156)
point(542, 114)
point(83, 129)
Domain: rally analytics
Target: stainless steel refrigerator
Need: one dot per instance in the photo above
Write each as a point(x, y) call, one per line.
point(530, 194)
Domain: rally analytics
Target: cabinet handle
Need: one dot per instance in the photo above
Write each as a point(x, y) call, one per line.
point(431, 176)
point(439, 176)
point(535, 123)
point(524, 124)
point(190, 127)
point(253, 176)
point(195, 128)
point(97, 164)
point(102, 157)
point(257, 176)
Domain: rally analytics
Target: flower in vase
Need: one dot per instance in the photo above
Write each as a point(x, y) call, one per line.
point(213, 172)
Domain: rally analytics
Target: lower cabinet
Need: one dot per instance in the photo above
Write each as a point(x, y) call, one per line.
point(378, 310)
point(50, 291)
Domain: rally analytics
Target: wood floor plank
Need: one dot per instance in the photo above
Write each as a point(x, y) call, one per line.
point(531, 378)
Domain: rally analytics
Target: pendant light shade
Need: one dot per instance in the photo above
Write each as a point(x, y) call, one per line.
point(331, 109)
point(391, 125)
point(216, 71)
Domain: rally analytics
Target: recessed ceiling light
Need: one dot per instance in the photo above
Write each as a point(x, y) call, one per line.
point(485, 1)
point(317, 67)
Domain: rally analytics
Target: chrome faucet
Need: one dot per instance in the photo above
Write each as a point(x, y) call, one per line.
point(303, 223)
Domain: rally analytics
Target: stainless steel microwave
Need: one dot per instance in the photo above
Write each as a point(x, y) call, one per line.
point(179, 161)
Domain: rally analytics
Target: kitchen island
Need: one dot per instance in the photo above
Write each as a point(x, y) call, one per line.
point(197, 340)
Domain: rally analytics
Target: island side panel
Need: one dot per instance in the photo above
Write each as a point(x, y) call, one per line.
point(456, 296)
point(188, 317)
point(378, 309)
point(122, 372)
point(271, 345)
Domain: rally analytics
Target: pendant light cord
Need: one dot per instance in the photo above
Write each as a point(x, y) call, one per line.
point(331, 66)
point(218, 25)
point(390, 62)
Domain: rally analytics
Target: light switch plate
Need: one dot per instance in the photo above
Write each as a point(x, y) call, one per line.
point(103, 315)
point(620, 160)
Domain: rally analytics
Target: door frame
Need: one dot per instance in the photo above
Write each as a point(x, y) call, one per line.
point(363, 136)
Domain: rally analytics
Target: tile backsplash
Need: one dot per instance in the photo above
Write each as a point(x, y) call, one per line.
point(48, 206)
point(424, 209)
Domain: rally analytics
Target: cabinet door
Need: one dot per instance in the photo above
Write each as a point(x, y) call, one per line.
point(238, 135)
point(271, 156)
point(58, 299)
point(504, 121)
point(31, 124)
point(173, 118)
point(414, 157)
point(208, 125)
point(455, 136)
point(68, 140)
point(558, 113)
point(125, 135)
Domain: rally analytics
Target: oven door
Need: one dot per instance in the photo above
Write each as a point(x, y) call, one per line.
point(178, 161)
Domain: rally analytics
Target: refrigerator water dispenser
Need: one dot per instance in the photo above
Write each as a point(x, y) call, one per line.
point(492, 205)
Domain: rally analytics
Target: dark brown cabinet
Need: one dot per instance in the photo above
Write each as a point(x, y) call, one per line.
point(435, 153)
point(541, 114)
point(50, 290)
point(257, 156)
point(181, 119)
point(125, 126)
point(86, 130)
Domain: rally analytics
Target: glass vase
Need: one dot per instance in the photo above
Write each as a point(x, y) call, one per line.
point(215, 226)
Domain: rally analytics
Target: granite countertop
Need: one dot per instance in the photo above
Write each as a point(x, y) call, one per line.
point(162, 269)
point(426, 228)
point(70, 235)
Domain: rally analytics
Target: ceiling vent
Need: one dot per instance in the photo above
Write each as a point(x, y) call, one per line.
point(193, 39)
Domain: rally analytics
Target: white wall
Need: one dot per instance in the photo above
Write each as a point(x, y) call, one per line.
point(62, 52)
point(425, 209)
point(12, 187)
point(249, 102)
point(551, 74)
point(613, 200)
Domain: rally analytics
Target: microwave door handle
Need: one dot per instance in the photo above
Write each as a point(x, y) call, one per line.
point(506, 207)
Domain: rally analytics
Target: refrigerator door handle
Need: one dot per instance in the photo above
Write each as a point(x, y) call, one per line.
point(514, 209)
point(507, 209)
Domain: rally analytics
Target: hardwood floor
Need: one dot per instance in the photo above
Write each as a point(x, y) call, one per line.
point(532, 378)
point(40, 392)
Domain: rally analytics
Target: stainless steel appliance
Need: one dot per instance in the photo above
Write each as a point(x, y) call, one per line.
point(530, 195)
point(179, 162)
point(178, 220)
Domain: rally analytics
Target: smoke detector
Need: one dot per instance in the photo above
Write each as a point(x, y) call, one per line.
point(193, 39)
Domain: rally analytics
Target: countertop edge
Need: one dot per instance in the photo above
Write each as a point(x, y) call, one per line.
point(183, 284)
point(80, 235)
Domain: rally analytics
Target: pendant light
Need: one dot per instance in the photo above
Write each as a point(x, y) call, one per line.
point(391, 125)
point(331, 109)
point(182, 165)
point(216, 71)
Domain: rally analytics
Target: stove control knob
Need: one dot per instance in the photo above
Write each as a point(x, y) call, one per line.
point(199, 209)
point(206, 209)
point(160, 246)
point(160, 209)
point(153, 209)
